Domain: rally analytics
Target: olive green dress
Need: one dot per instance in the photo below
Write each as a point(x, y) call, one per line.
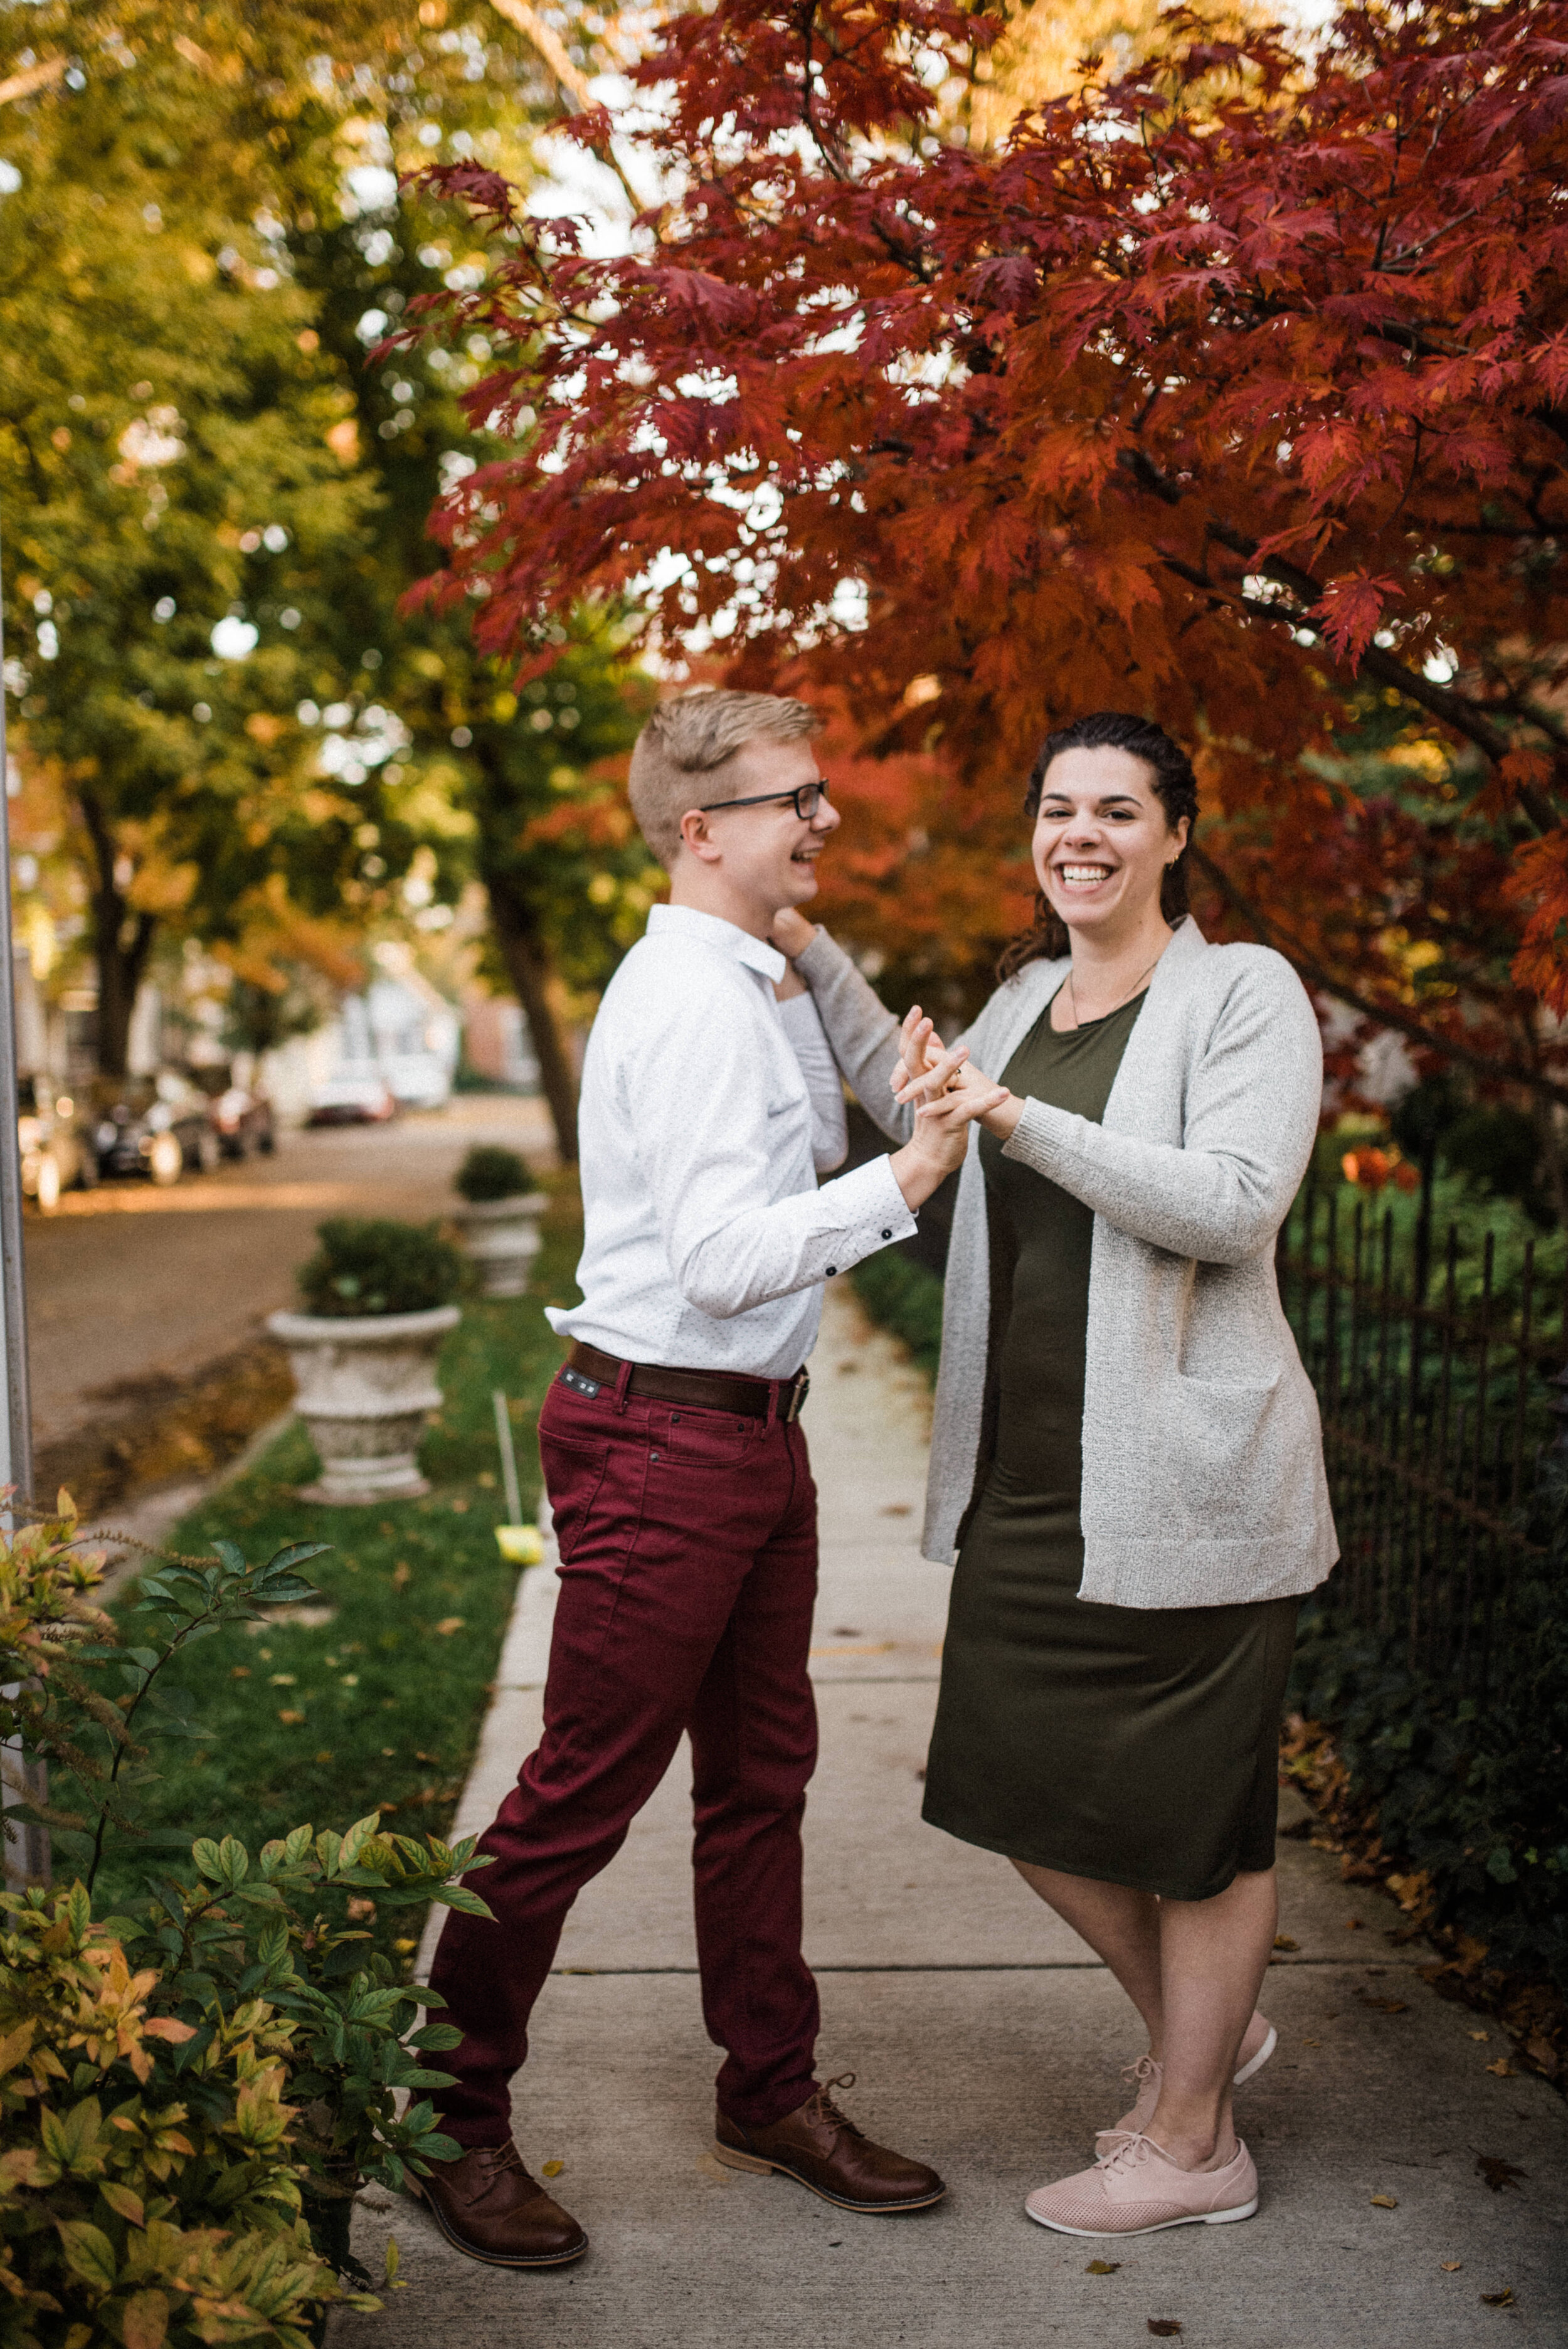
point(1138, 1745)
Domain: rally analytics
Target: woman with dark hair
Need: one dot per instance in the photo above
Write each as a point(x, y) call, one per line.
point(1126, 1455)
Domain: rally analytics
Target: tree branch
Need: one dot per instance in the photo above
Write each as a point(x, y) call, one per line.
point(1386, 1015)
point(569, 77)
point(1440, 701)
point(23, 85)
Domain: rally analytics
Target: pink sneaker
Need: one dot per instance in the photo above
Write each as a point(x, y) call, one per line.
point(1138, 2190)
point(1261, 2038)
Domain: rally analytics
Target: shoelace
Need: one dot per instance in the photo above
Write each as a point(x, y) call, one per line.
point(497, 2160)
point(1144, 2069)
point(1131, 2150)
point(826, 2109)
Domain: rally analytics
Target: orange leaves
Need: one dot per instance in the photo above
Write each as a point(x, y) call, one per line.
point(1371, 1169)
point(1539, 883)
point(1351, 609)
point(1092, 416)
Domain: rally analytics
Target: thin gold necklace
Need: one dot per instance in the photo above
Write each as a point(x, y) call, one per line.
point(1072, 993)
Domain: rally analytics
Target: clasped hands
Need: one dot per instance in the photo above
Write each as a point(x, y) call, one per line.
point(949, 1092)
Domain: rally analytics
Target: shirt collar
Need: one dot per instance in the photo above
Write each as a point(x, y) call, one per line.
point(707, 929)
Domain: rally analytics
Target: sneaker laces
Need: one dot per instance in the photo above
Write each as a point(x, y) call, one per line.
point(1135, 2075)
point(1132, 2150)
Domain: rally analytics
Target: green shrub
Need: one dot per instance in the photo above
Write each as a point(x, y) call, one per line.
point(490, 1172)
point(149, 2192)
point(905, 1298)
point(370, 1264)
point(236, 1980)
point(1474, 1793)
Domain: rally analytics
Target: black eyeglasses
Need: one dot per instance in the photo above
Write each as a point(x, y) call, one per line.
point(807, 799)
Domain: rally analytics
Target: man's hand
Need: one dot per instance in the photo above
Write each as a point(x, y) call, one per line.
point(963, 1095)
point(942, 1119)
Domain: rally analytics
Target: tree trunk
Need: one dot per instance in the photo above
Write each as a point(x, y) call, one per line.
point(122, 942)
point(528, 967)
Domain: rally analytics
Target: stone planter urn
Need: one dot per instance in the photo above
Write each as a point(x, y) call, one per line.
point(501, 1235)
point(363, 1387)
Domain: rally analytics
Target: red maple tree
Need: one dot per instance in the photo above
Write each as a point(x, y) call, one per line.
point(1234, 390)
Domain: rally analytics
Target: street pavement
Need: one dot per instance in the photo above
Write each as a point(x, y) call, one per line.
point(129, 1284)
point(985, 2038)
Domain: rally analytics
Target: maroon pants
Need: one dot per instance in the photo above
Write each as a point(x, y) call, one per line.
point(688, 1570)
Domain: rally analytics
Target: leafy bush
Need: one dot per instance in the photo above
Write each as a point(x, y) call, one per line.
point(236, 1981)
point(490, 1172)
point(1475, 1795)
point(148, 2190)
point(370, 1265)
point(905, 1298)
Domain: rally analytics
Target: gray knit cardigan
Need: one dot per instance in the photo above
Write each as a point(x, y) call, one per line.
point(1202, 1453)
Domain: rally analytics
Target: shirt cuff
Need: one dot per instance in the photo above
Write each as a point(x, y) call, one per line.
point(869, 1211)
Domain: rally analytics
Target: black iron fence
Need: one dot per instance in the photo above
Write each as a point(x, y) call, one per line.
point(1432, 1372)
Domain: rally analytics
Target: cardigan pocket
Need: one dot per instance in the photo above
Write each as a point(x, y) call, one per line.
point(1226, 1455)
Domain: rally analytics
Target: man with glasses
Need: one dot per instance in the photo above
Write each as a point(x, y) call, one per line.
point(678, 1472)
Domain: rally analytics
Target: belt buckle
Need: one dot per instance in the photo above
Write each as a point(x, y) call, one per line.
point(800, 1388)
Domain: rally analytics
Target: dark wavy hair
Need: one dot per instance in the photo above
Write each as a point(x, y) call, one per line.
point(1175, 787)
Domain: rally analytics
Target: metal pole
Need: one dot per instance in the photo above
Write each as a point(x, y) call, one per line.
point(26, 1847)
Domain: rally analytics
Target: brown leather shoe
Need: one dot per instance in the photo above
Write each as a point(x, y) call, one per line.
point(488, 2206)
point(818, 2146)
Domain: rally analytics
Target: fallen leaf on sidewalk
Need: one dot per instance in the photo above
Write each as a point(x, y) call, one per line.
point(1498, 2173)
point(1450, 2267)
point(1284, 1941)
point(1312, 2043)
point(292, 1719)
point(1163, 2327)
point(402, 1575)
point(447, 1625)
point(1481, 2035)
point(1503, 2299)
point(1504, 2069)
point(1385, 2201)
point(1102, 2267)
point(550, 2168)
point(1353, 1924)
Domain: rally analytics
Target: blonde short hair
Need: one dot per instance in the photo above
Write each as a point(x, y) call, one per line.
point(695, 737)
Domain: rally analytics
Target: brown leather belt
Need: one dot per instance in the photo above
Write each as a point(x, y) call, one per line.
point(586, 1366)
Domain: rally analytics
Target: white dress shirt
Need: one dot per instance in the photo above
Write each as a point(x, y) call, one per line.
point(808, 1043)
point(706, 1241)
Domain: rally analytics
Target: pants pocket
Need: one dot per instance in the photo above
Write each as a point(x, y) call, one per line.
point(573, 1474)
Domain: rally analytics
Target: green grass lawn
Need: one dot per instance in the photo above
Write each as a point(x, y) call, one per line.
point(383, 1704)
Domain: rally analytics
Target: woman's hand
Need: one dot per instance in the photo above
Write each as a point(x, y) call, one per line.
point(964, 1095)
point(941, 1125)
point(791, 933)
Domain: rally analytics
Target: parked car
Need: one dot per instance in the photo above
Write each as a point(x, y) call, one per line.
point(242, 1115)
point(353, 1097)
point(418, 1080)
point(56, 1150)
point(157, 1126)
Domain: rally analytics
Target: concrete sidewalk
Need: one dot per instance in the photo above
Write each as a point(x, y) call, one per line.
point(986, 2039)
